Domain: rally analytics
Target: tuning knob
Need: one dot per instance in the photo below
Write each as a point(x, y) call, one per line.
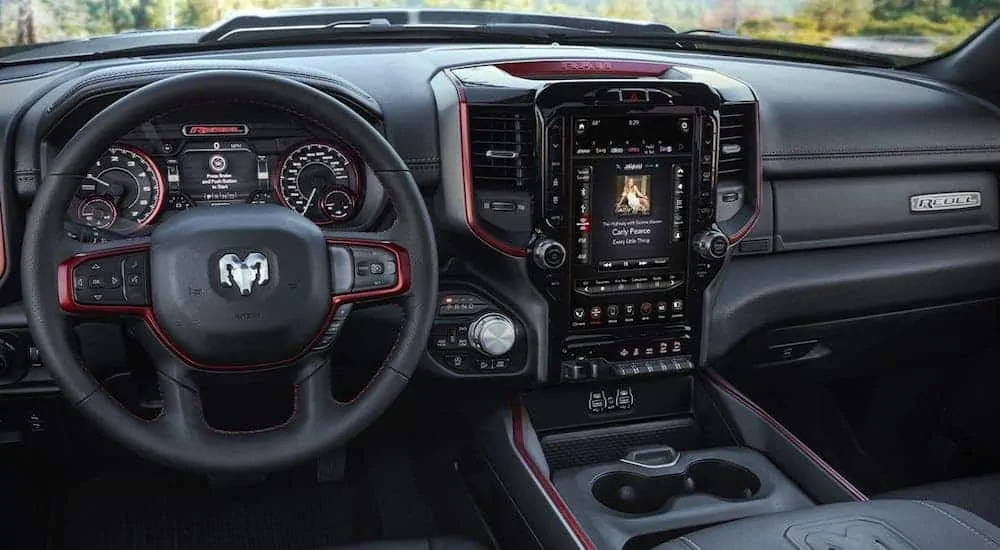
point(711, 245)
point(549, 254)
point(492, 334)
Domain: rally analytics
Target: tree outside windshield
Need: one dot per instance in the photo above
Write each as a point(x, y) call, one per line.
point(914, 28)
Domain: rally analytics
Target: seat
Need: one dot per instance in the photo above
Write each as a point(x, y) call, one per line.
point(874, 525)
point(979, 495)
point(433, 543)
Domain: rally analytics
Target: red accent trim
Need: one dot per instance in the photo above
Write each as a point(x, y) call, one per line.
point(738, 236)
point(402, 265)
point(3, 248)
point(725, 386)
point(567, 68)
point(69, 304)
point(470, 209)
point(357, 194)
point(561, 508)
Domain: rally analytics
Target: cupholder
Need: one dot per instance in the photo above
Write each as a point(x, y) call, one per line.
point(723, 479)
point(633, 493)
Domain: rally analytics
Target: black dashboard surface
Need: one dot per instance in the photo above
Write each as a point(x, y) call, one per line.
point(814, 118)
point(815, 122)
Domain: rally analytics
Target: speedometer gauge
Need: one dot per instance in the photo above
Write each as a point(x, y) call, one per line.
point(313, 173)
point(122, 191)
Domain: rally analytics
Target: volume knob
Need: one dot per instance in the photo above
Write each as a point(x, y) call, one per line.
point(711, 245)
point(493, 334)
point(549, 254)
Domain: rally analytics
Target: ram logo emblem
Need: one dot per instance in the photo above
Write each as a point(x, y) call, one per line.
point(243, 273)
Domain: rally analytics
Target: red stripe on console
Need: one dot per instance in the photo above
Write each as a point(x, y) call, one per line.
point(543, 480)
point(725, 386)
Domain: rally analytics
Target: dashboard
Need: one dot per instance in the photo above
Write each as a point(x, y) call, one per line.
point(215, 157)
point(601, 213)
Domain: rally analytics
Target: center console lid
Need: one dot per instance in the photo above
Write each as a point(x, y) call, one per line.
point(884, 524)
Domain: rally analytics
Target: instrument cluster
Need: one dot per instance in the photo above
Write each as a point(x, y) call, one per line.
point(165, 167)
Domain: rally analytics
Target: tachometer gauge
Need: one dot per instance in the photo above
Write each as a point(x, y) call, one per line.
point(311, 174)
point(122, 191)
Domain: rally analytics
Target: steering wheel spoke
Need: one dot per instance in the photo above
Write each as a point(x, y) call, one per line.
point(105, 278)
point(367, 267)
point(181, 388)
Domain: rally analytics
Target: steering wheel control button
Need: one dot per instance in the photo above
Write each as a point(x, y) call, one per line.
point(375, 268)
point(341, 269)
point(99, 282)
point(332, 332)
point(136, 273)
point(493, 334)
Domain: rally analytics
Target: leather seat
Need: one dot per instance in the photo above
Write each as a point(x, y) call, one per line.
point(874, 525)
point(434, 543)
point(979, 495)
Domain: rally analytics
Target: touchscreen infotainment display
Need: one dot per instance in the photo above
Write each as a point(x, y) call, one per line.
point(630, 204)
point(630, 178)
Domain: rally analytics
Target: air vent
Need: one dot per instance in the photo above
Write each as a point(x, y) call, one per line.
point(737, 126)
point(502, 143)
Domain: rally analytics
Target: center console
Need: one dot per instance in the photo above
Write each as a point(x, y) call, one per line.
point(600, 201)
point(625, 237)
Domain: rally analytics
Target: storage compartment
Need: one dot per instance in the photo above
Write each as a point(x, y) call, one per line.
point(633, 493)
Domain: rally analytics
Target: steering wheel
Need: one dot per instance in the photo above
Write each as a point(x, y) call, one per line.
point(223, 294)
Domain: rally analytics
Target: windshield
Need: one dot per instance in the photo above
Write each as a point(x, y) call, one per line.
point(907, 28)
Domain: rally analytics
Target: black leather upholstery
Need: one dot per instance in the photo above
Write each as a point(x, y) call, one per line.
point(979, 495)
point(874, 525)
point(436, 543)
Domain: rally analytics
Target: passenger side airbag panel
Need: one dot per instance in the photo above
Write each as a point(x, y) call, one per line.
point(821, 213)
